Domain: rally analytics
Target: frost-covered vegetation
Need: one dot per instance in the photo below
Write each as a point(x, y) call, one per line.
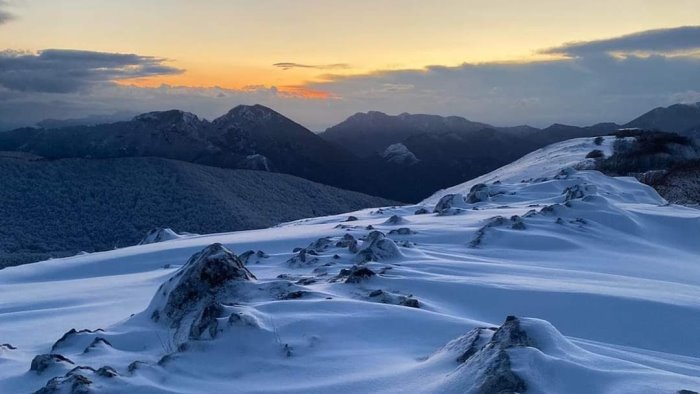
point(640, 151)
point(667, 161)
point(61, 207)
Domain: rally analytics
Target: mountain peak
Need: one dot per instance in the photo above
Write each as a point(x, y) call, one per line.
point(249, 113)
point(172, 114)
point(368, 116)
point(679, 118)
point(173, 118)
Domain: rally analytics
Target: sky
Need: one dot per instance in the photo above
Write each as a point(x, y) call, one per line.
point(504, 62)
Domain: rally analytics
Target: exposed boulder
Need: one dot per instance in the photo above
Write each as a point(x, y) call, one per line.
point(377, 247)
point(243, 319)
point(303, 258)
point(478, 193)
point(496, 221)
point(106, 372)
point(484, 362)
point(517, 223)
point(320, 244)
point(395, 220)
point(577, 191)
point(70, 334)
point(354, 275)
point(42, 362)
point(70, 384)
point(348, 241)
point(386, 297)
point(565, 173)
point(447, 203)
point(245, 256)
point(402, 231)
point(189, 299)
point(421, 211)
point(294, 295)
point(410, 302)
point(97, 342)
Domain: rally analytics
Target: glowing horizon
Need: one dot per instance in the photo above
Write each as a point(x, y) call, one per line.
point(322, 60)
point(236, 44)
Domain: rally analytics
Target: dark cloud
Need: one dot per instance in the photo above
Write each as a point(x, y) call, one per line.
point(5, 16)
point(678, 39)
point(65, 71)
point(577, 90)
point(290, 65)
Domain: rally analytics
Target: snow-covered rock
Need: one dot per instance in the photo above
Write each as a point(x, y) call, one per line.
point(398, 153)
point(189, 300)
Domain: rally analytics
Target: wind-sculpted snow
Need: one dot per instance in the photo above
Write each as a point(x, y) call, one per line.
point(399, 299)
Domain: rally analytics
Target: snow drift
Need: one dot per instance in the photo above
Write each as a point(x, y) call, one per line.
point(454, 295)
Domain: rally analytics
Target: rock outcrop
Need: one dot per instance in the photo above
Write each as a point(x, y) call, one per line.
point(484, 363)
point(43, 362)
point(377, 247)
point(190, 299)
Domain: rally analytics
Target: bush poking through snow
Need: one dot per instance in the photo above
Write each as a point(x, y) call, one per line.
point(595, 154)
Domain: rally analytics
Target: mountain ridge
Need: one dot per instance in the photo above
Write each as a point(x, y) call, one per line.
point(350, 155)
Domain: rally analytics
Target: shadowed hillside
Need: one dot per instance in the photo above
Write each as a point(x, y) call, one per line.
point(60, 207)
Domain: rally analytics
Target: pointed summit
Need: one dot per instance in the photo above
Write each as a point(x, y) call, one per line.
point(250, 115)
point(679, 118)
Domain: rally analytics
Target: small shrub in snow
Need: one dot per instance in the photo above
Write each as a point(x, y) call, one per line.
point(595, 154)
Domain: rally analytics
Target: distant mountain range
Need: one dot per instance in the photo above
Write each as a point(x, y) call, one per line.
point(683, 119)
point(427, 153)
point(54, 208)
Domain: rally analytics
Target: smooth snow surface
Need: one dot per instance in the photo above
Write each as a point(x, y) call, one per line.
point(604, 274)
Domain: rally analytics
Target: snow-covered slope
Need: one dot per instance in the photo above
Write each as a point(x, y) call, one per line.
point(544, 279)
point(542, 163)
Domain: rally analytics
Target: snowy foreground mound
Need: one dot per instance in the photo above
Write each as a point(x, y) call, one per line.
point(460, 294)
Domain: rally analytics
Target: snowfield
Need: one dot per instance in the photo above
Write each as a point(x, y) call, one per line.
point(540, 277)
